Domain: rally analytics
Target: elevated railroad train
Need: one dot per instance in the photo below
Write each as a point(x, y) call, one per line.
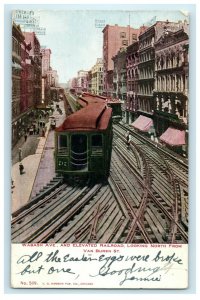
point(87, 98)
point(83, 143)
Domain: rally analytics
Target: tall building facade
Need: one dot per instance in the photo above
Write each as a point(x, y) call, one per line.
point(89, 81)
point(46, 60)
point(36, 56)
point(115, 38)
point(82, 81)
point(22, 83)
point(97, 77)
point(132, 62)
point(171, 79)
point(119, 75)
point(52, 77)
point(147, 40)
point(17, 40)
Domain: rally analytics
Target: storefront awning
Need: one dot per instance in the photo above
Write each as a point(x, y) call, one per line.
point(142, 123)
point(173, 137)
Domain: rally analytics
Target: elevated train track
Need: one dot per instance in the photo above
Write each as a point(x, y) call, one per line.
point(143, 201)
point(165, 186)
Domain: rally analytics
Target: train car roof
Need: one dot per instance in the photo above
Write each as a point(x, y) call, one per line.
point(87, 99)
point(113, 101)
point(92, 117)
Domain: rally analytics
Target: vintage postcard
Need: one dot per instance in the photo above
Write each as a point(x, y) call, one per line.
point(99, 175)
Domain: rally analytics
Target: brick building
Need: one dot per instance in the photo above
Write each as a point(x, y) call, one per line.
point(115, 38)
point(36, 56)
point(22, 83)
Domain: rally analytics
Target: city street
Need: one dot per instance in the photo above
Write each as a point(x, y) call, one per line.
point(35, 155)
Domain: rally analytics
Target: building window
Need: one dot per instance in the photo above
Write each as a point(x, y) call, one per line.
point(134, 36)
point(125, 42)
point(122, 35)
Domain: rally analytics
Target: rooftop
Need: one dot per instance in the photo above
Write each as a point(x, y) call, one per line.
point(91, 117)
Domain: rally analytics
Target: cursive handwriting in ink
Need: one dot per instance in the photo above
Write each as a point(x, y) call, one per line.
point(53, 257)
point(168, 258)
point(29, 258)
point(52, 270)
point(28, 270)
point(147, 278)
point(147, 273)
point(152, 271)
point(106, 270)
point(83, 258)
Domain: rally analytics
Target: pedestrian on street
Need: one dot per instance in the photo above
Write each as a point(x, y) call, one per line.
point(38, 130)
point(128, 139)
point(20, 154)
point(21, 169)
point(12, 182)
point(25, 137)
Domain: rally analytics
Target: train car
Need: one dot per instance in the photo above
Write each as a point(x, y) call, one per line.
point(87, 98)
point(116, 106)
point(83, 143)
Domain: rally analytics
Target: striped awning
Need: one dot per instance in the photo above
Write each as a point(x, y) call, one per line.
point(173, 137)
point(143, 123)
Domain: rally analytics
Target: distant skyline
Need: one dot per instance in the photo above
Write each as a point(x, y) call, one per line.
point(75, 37)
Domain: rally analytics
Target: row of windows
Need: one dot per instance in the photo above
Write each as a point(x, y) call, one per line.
point(16, 47)
point(146, 73)
point(123, 35)
point(131, 73)
point(147, 42)
point(146, 89)
point(171, 61)
point(149, 55)
point(96, 141)
point(172, 83)
point(132, 59)
point(19, 86)
point(15, 87)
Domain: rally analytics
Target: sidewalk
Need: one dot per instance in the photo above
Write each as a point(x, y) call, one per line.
point(23, 184)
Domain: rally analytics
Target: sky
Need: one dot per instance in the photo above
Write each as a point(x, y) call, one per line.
point(76, 40)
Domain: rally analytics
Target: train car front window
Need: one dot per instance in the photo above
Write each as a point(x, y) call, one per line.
point(62, 144)
point(97, 140)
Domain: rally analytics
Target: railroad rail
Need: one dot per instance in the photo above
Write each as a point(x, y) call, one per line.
point(143, 201)
point(166, 202)
point(39, 222)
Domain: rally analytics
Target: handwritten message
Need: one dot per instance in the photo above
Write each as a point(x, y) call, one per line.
point(99, 266)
